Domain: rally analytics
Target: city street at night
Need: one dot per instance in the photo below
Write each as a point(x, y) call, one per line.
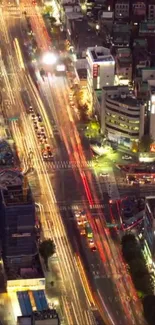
point(89, 272)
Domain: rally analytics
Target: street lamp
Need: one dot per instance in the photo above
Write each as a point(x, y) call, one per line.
point(49, 58)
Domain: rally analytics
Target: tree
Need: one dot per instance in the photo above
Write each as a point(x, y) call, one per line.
point(52, 20)
point(46, 250)
point(138, 267)
point(144, 284)
point(93, 129)
point(149, 309)
point(126, 239)
point(48, 11)
point(84, 113)
point(145, 142)
point(134, 146)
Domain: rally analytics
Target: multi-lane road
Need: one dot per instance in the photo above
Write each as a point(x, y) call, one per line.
point(69, 181)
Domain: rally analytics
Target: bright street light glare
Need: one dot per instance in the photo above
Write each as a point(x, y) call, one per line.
point(49, 58)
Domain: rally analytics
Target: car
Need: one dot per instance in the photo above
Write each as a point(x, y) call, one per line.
point(50, 154)
point(45, 155)
point(31, 109)
point(42, 130)
point(48, 148)
point(36, 127)
point(33, 116)
point(39, 118)
point(38, 134)
point(93, 249)
point(70, 95)
point(104, 175)
point(126, 157)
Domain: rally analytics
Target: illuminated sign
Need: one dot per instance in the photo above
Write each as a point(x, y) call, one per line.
point(95, 70)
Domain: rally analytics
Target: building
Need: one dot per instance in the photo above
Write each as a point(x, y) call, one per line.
point(47, 317)
point(151, 10)
point(121, 33)
point(140, 56)
point(81, 35)
point(147, 28)
point(17, 220)
point(121, 115)
point(152, 110)
point(148, 231)
point(124, 65)
point(138, 10)
point(122, 9)
point(100, 68)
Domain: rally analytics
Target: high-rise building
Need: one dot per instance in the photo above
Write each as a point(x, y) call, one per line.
point(100, 68)
point(17, 222)
point(121, 115)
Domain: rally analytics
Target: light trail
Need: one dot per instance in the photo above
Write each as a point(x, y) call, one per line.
point(87, 176)
point(18, 53)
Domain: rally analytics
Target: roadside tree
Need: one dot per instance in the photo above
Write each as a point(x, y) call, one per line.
point(47, 249)
point(149, 309)
point(92, 130)
point(145, 142)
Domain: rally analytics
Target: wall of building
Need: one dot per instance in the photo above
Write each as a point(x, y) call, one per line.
point(18, 230)
point(120, 121)
point(100, 74)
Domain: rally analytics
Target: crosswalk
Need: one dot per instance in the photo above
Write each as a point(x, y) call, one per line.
point(79, 206)
point(112, 188)
point(18, 11)
point(56, 165)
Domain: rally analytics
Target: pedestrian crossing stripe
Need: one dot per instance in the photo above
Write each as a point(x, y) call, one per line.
point(70, 164)
point(80, 206)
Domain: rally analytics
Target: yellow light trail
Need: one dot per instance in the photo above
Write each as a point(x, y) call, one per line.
point(19, 54)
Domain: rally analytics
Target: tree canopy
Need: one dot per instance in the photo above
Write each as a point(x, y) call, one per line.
point(133, 255)
point(48, 10)
point(149, 309)
point(145, 142)
point(47, 249)
point(93, 129)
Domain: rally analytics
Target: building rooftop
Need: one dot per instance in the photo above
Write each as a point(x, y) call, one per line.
point(147, 26)
point(124, 61)
point(124, 51)
point(25, 320)
point(15, 189)
point(82, 73)
point(121, 33)
point(126, 100)
point(83, 35)
point(116, 88)
point(140, 42)
point(122, 95)
point(33, 272)
point(10, 177)
point(100, 54)
point(46, 317)
point(121, 28)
